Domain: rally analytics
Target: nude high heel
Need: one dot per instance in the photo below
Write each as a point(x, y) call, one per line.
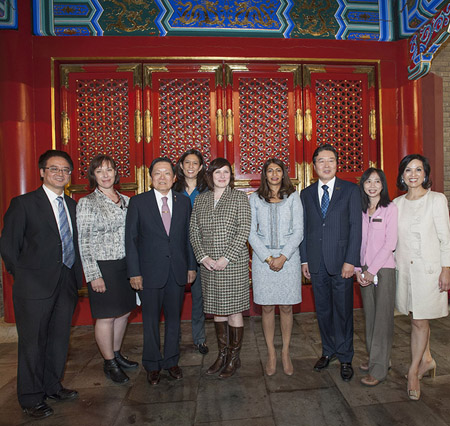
point(431, 370)
point(413, 394)
point(288, 368)
point(271, 365)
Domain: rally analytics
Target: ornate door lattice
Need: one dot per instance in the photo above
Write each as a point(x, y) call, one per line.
point(246, 113)
point(183, 110)
point(101, 114)
point(260, 118)
point(340, 110)
point(103, 121)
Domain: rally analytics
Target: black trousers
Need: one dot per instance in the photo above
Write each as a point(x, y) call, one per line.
point(169, 299)
point(43, 328)
point(333, 297)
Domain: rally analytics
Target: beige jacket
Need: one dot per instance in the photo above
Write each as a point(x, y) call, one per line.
point(423, 248)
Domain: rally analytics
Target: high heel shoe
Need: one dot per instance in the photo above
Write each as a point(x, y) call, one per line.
point(271, 366)
point(364, 366)
point(413, 394)
point(431, 370)
point(288, 368)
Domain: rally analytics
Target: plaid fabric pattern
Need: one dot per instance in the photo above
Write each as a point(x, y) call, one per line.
point(223, 231)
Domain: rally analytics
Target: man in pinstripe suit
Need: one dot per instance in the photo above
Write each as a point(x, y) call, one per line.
point(329, 253)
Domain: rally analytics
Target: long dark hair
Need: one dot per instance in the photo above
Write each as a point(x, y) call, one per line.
point(216, 164)
point(402, 166)
point(180, 183)
point(97, 162)
point(286, 188)
point(384, 194)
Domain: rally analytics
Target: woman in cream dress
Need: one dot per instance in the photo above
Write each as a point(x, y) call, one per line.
point(423, 261)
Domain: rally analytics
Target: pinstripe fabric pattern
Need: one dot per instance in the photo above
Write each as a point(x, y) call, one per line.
point(223, 231)
point(337, 237)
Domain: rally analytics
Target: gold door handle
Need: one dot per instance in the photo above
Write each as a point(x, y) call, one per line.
point(219, 124)
point(299, 124)
point(230, 125)
point(148, 126)
point(65, 128)
point(138, 126)
point(308, 124)
point(372, 125)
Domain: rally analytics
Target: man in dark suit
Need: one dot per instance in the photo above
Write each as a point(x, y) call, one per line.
point(160, 263)
point(329, 253)
point(39, 246)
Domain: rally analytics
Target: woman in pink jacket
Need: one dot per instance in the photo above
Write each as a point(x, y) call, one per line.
point(377, 277)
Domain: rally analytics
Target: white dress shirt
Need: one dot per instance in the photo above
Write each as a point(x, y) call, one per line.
point(330, 185)
point(55, 206)
point(159, 201)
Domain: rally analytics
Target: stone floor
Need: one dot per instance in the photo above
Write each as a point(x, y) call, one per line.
point(249, 398)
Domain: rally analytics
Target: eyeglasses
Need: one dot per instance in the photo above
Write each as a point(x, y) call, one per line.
point(54, 170)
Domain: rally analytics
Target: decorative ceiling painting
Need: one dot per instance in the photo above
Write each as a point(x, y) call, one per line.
point(8, 14)
point(426, 42)
point(413, 14)
point(373, 20)
point(255, 18)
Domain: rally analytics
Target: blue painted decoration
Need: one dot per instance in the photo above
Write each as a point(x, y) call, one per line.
point(8, 14)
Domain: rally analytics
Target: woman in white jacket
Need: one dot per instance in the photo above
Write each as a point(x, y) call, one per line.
point(423, 261)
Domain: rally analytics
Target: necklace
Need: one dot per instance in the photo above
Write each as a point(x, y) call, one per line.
point(118, 196)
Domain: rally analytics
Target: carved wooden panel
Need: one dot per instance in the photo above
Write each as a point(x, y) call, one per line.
point(103, 122)
point(101, 113)
point(340, 110)
point(181, 103)
point(263, 107)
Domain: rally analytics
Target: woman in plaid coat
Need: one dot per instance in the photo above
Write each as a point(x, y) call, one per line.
point(220, 225)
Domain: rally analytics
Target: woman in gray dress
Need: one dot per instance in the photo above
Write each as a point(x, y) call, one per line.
point(220, 224)
point(101, 232)
point(275, 236)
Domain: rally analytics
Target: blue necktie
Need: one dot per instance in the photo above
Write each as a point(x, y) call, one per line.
point(325, 201)
point(66, 235)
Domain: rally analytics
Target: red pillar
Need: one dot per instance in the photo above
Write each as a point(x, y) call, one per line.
point(18, 164)
point(433, 127)
point(410, 119)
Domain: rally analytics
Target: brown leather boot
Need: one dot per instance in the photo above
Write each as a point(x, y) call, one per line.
point(234, 349)
point(222, 343)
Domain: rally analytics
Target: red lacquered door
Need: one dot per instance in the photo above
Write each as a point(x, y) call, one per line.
point(262, 101)
point(339, 109)
point(101, 112)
